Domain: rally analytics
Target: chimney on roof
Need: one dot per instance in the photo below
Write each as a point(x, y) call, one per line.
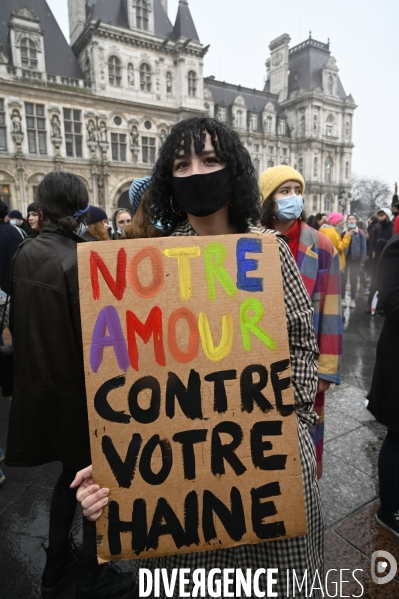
point(77, 18)
point(277, 66)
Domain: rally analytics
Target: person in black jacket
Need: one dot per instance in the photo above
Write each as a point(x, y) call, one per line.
point(48, 419)
point(10, 239)
point(383, 396)
point(380, 237)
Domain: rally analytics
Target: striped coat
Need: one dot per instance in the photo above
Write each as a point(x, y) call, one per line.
point(318, 263)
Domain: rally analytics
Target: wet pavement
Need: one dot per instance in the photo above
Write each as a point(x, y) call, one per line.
point(349, 487)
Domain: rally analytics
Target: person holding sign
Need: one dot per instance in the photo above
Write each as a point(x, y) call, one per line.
point(318, 262)
point(204, 184)
point(48, 419)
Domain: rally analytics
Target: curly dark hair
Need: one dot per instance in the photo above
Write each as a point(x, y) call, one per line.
point(245, 203)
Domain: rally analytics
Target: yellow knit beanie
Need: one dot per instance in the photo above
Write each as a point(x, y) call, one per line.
point(275, 176)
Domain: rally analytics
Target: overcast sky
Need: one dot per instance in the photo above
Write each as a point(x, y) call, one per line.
point(364, 40)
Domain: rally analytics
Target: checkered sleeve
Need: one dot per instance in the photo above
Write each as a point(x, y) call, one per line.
point(301, 335)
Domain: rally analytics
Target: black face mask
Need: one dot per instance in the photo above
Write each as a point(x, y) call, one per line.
point(202, 195)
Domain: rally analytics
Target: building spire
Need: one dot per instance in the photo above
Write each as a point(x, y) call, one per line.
point(184, 25)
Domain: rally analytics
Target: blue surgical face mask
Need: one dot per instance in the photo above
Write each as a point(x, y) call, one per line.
point(119, 231)
point(289, 208)
point(81, 230)
point(351, 226)
point(13, 222)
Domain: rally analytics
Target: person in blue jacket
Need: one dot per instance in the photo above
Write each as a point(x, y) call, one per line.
point(355, 260)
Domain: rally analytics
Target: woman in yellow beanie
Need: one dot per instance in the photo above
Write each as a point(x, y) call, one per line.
point(282, 209)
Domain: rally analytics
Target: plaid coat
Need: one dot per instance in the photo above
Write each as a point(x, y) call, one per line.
point(300, 553)
point(318, 263)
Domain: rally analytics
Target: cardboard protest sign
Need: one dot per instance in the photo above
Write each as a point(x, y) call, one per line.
point(191, 406)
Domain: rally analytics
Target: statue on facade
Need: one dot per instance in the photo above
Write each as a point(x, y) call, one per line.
point(163, 136)
point(168, 83)
point(91, 131)
point(134, 136)
point(16, 121)
point(130, 74)
point(103, 132)
point(55, 127)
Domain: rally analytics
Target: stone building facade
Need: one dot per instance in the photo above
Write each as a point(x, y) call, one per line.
point(102, 106)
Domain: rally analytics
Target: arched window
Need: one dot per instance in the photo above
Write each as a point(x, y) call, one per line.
point(28, 54)
point(346, 170)
point(328, 167)
point(238, 122)
point(300, 165)
point(269, 124)
point(328, 202)
point(329, 125)
point(282, 127)
point(114, 71)
point(145, 77)
point(315, 167)
point(303, 125)
point(348, 127)
point(314, 204)
point(331, 85)
point(315, 122)
point(142, 15)
point(192, 84)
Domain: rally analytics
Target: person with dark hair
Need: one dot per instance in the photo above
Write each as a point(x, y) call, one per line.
point(319, 220)
point(355, 259)
point(382, 234)
point(383, 395)
point(204, 183)
point(10, 238)
point(282, 209)
point(17, 220)
point(311, 221)
point(97, 225)
point(48, 419)
point(34, 221)
point(121, 217)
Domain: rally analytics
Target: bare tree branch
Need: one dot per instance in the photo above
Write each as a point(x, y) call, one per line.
point(369, 194)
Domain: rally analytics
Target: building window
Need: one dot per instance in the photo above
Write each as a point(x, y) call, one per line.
point(256, 164)
point(269, 124)
point(3, 131)
point(28, 54)
point(315, 122)
point(142, 15)
point(300, 165)
point(36, 128)
point(192, 84)
point(315, 167)
point(328, 203)
point(284, 151)
point(302, 125)
point(314, 206)
point(256, 148)
point(239, 118)
point(328, 169)
point(34, 192)
point(348, 127)
point(145, 77)
point(329, 125)
point(5, 194)
point(270, 163)
point(346, 170)
point(330, 85)
point(148, 149)
point(73, 132)
point(271, 149)
point(254, 122)
point(222, 114)
point(114, 71)
point(118, 146)
point(282, 127)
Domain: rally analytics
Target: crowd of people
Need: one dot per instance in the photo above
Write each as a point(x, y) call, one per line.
point(203, 183)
